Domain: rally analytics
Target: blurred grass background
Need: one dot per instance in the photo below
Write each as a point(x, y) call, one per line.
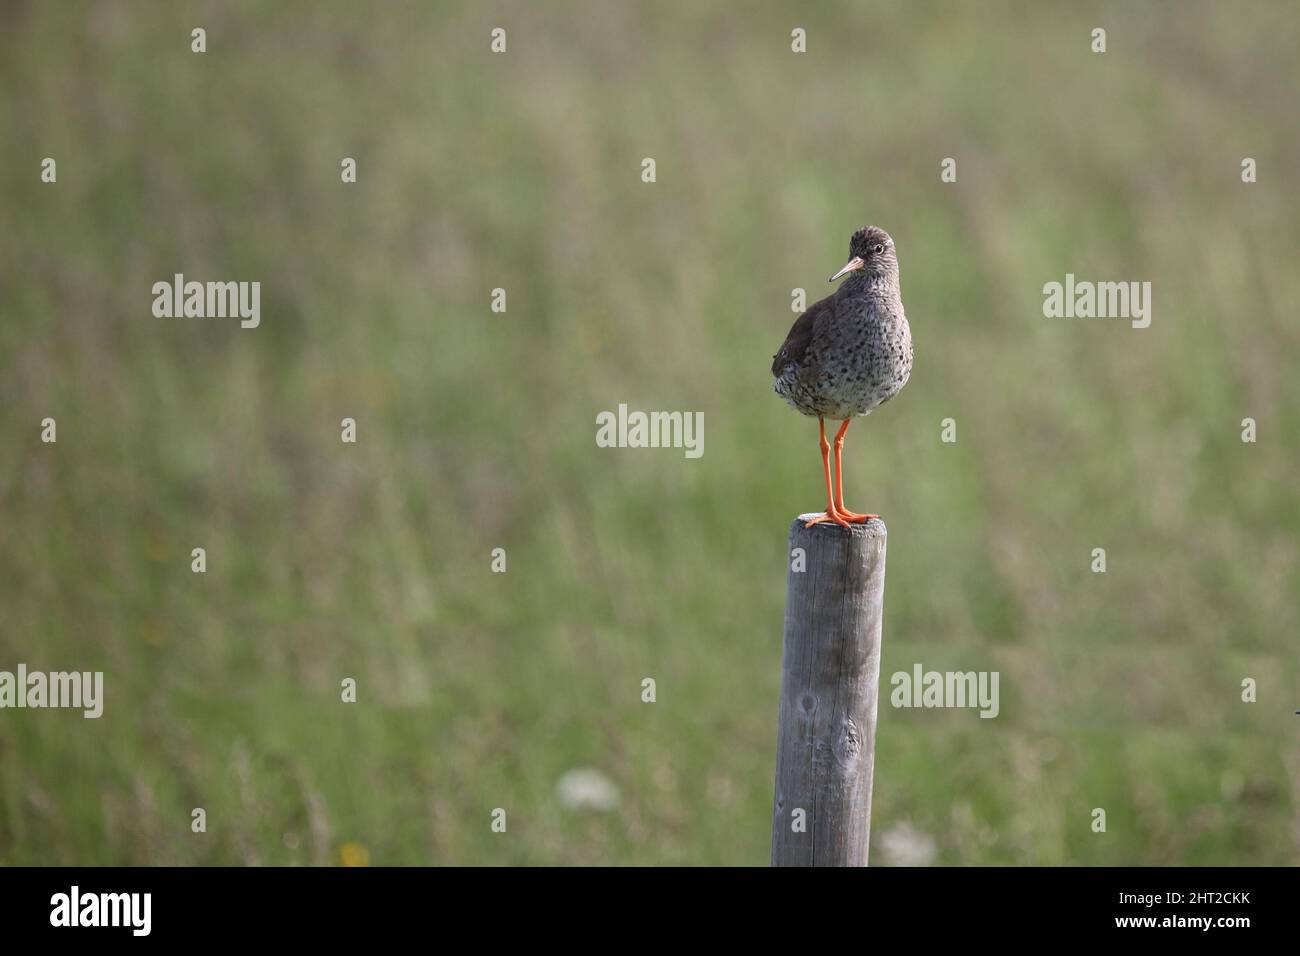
point(476, 430)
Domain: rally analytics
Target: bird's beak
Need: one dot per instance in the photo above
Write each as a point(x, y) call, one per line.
point(853, 265)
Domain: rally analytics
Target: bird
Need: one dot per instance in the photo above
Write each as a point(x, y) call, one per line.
point(848, 354)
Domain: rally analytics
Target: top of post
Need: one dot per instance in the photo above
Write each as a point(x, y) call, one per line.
point(875, 528)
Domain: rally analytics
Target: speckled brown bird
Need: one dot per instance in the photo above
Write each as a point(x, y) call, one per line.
point(848, 354)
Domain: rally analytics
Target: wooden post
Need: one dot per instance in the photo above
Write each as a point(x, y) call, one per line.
point(830, 676)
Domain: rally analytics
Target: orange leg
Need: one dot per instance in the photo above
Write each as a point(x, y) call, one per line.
point(845, 513)
point(831, 514)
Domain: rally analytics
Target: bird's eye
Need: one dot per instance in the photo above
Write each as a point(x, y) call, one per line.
point(878, 250)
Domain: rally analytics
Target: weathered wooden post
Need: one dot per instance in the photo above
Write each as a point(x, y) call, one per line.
point(830, 677)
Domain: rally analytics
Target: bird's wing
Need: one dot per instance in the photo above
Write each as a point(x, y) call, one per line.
point(801, 335)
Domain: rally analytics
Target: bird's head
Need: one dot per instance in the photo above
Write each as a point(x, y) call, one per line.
point(871, 251)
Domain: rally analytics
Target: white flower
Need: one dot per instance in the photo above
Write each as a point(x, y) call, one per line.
point(905, 845)
point(586, 788)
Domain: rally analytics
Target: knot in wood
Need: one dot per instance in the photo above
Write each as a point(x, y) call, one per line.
point(850, 742)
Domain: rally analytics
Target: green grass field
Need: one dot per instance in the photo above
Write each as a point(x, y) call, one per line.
point(475, 429)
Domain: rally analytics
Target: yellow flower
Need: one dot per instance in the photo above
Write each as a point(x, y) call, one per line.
point(354, 854)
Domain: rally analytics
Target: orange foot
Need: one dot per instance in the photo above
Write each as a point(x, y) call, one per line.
point(828, 516)
point(855, 518)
